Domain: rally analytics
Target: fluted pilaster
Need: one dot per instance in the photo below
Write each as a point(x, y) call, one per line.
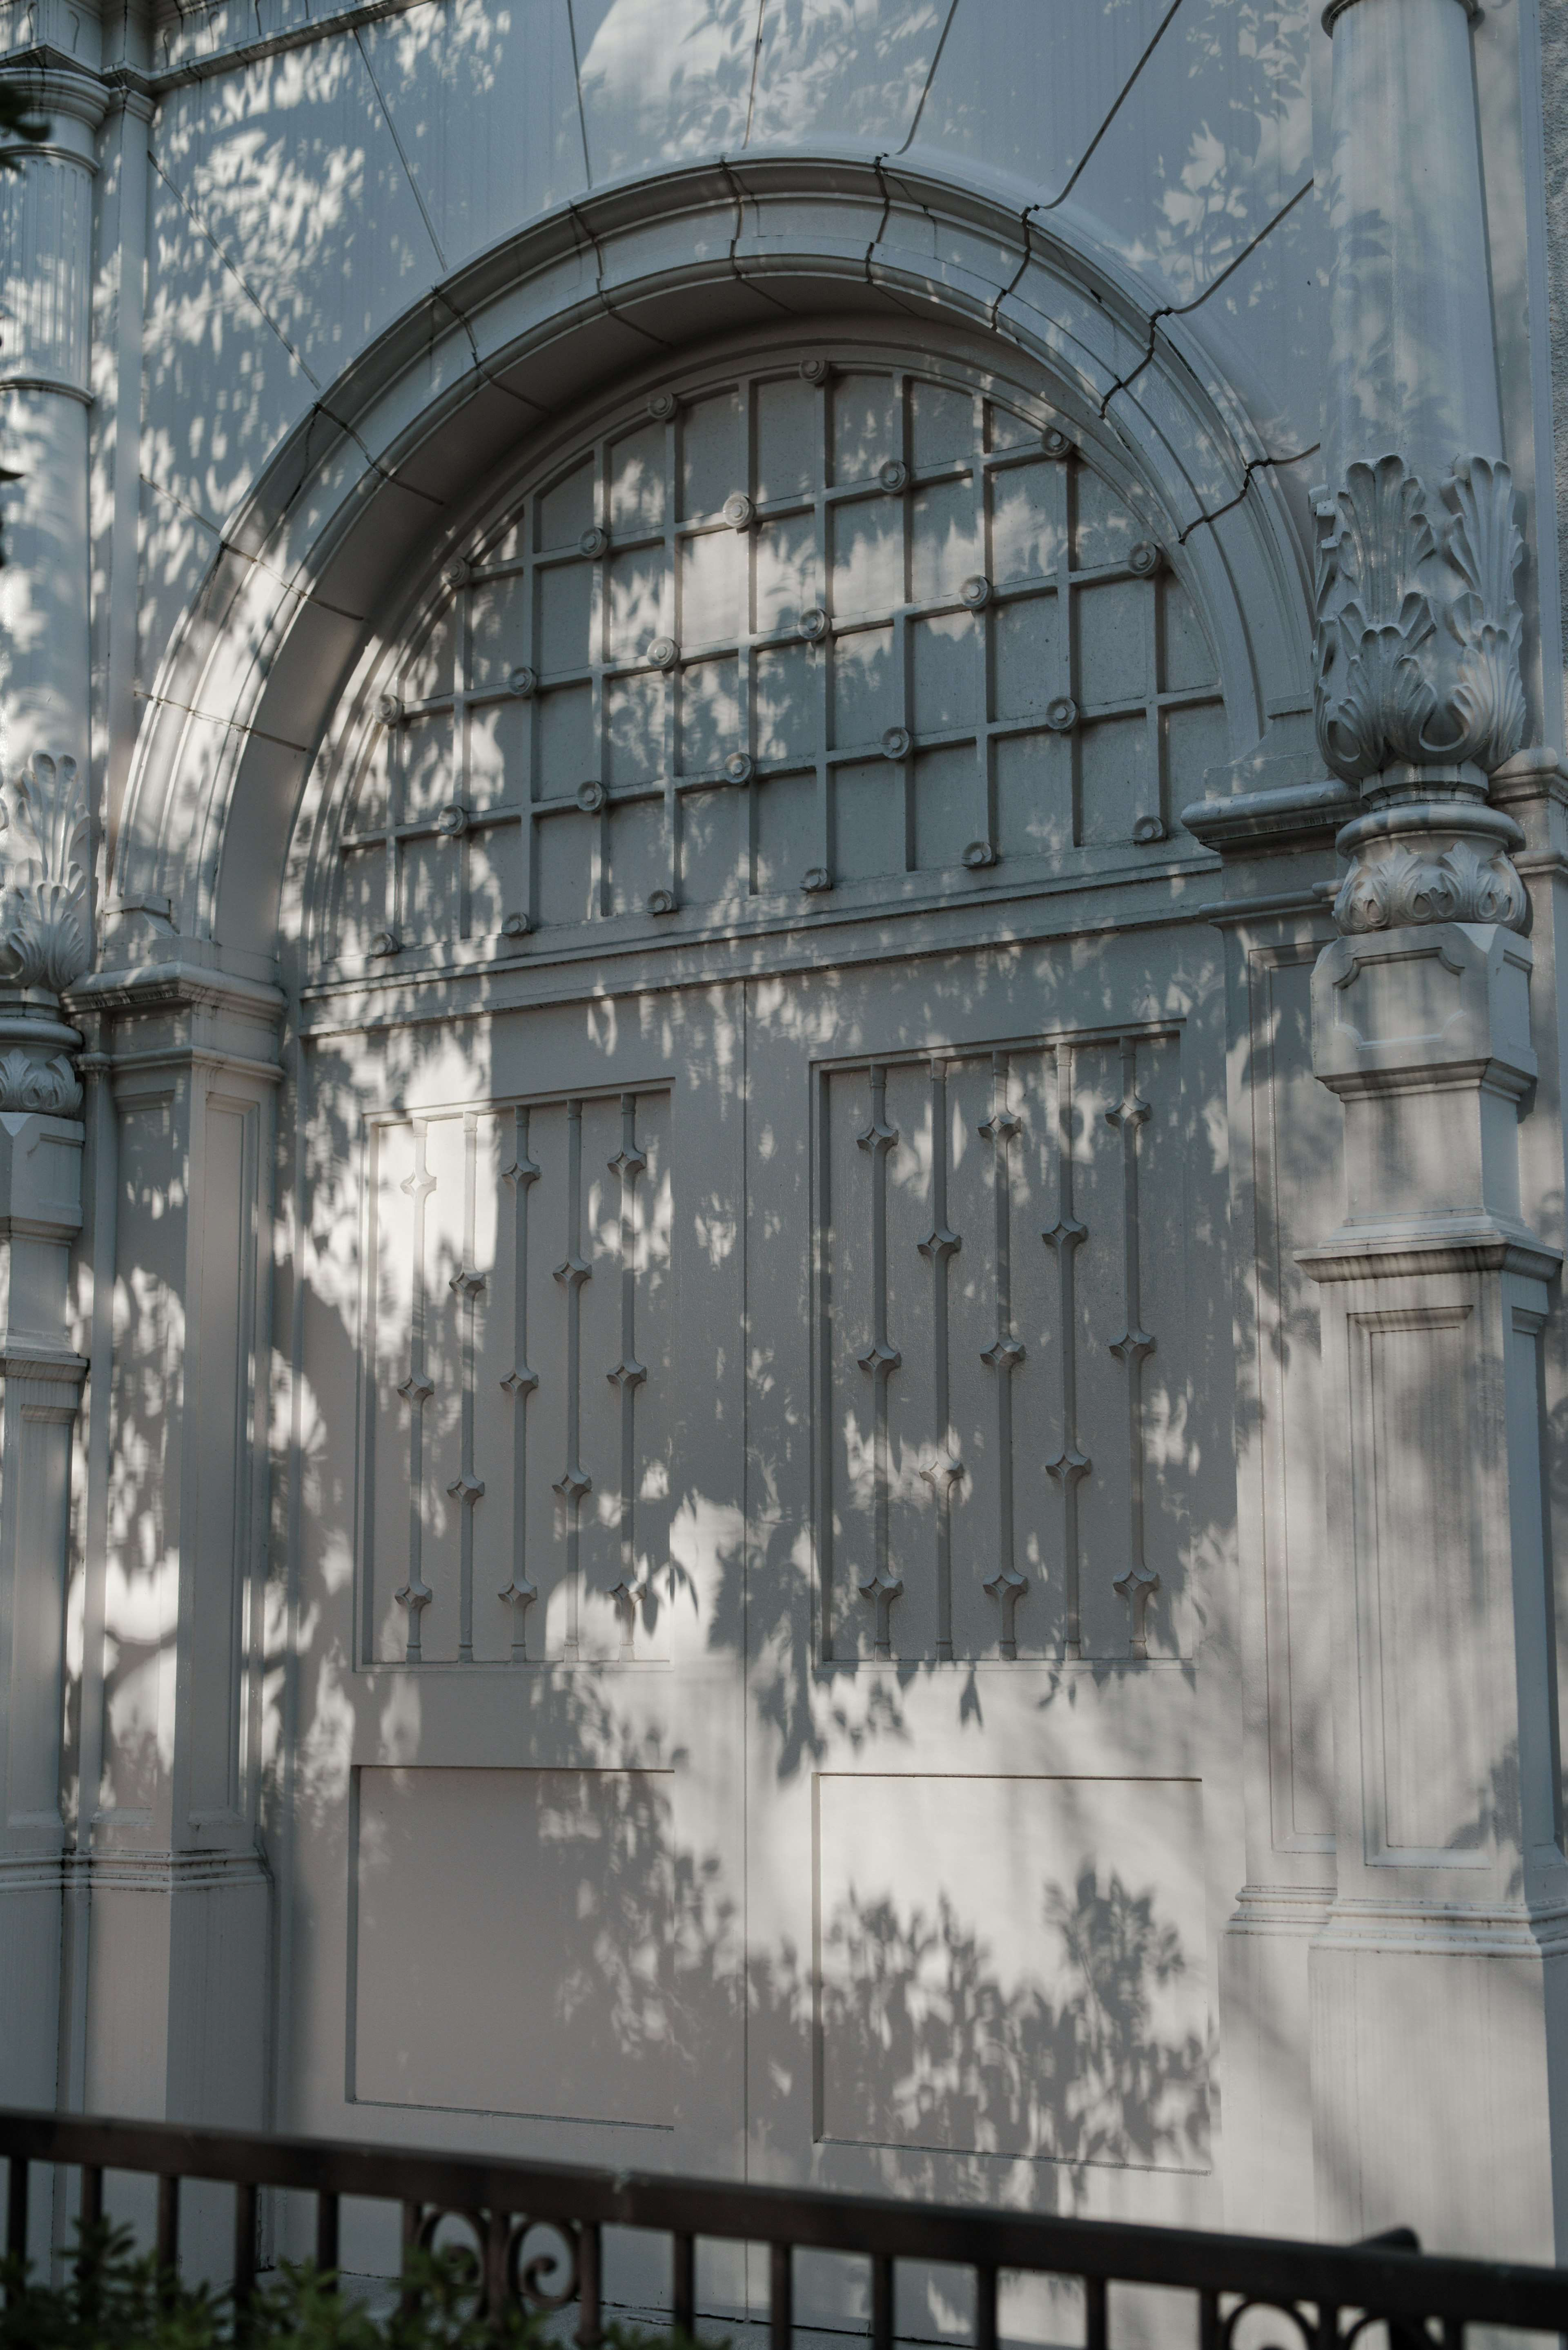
point(1449, 1929)
point(45, 284)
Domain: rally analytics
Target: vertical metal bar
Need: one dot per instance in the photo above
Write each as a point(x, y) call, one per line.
point(683, 2293)
point(497, 2227)
point(416, 1391)
point(590, 2320)
point(574, 1483)
point(781, 2297)
point(944, 1467)
point(985, 2309)
point(326, 2238)
point(245, 2243)
point(520, 1383)
point(16, 2209)
point(168, 2229)
point(467, 1487)
point(1209, 2321)
point(1006, 1583)
point(1066, 1236)
point(1096, 2328)
point(1138, 1584)
point(882, 2302)
point(628, 1374)
point(412, 2216)
point(89, 2214)
point(879, 1359)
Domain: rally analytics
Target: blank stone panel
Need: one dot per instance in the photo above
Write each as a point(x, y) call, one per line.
point(566, 853)
point(711, 847)
point(1113, 637)
point(634, 727)
point(868, 555)
point(1185, 656)
point(788, 695)
point(712, 588)
point(866, 692)
point(637, 500)
point(788, 571)
point(868, 819)
point(945, 673)
point(1033, 776)
point(362, 901)
point(1025, 657)
point(564, 745)
point(947, 806)
point(1006, 428)
point(429, 776)
point(1027, 528)
point(941, 423)
point(713, 455)
point(639, 601)
point(1116, 783)
point(1196, 740)
point(1103, 531)
point(786, 832)
point(788, 455)
point(564, 601)
point(430, 669)
point(943, 552)
point(431, 891)
point(710, 716)
point(494, 879)
point(370, 797)
point(566, 509)
point(497, 611)
point(996, 1911)
point(496, 734)
point(637, 859)
point(867, 429)
point(469, 1883)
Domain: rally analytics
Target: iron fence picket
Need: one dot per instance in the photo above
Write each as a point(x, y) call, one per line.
point(1332, 2294)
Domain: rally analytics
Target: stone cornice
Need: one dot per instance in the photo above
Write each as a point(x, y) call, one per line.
point(58, 84)
point(1285, 817)
point(172, 986)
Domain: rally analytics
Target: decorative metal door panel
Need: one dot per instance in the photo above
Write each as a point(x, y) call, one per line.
point(518, 1326)
point(785, 1402)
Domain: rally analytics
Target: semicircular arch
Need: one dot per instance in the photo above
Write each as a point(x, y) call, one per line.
point(389, 470)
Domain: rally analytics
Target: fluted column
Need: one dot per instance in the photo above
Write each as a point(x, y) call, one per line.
point(45, 238)
point(43, 947)
point(1439, 2018)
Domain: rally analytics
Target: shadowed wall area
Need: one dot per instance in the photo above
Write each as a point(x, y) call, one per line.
point(779, 1102)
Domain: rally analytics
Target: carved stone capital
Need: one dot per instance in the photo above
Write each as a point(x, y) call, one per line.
point(43, 930)
point(1430, 862)
point(1416, 656)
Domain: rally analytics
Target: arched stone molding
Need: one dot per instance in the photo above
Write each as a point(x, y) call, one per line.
point(379, 474)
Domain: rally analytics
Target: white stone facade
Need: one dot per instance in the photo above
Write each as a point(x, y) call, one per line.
point(781, 1127)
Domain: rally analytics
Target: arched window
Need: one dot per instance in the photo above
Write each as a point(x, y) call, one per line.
point(856, 628)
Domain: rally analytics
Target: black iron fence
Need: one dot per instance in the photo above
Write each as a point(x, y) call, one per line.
point(1328, 2296)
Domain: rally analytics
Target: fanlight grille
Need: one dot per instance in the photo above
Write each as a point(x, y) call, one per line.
point(810, 633)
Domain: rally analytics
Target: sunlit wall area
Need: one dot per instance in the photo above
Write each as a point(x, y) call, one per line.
point(780, 1111)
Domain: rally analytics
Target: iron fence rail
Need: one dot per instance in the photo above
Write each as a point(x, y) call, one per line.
point(1331, 2294)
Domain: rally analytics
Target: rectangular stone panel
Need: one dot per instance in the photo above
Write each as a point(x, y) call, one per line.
point(1014, 1966)
point(511, 1942)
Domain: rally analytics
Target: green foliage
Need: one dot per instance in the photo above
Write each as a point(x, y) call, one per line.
point(115, 2298)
